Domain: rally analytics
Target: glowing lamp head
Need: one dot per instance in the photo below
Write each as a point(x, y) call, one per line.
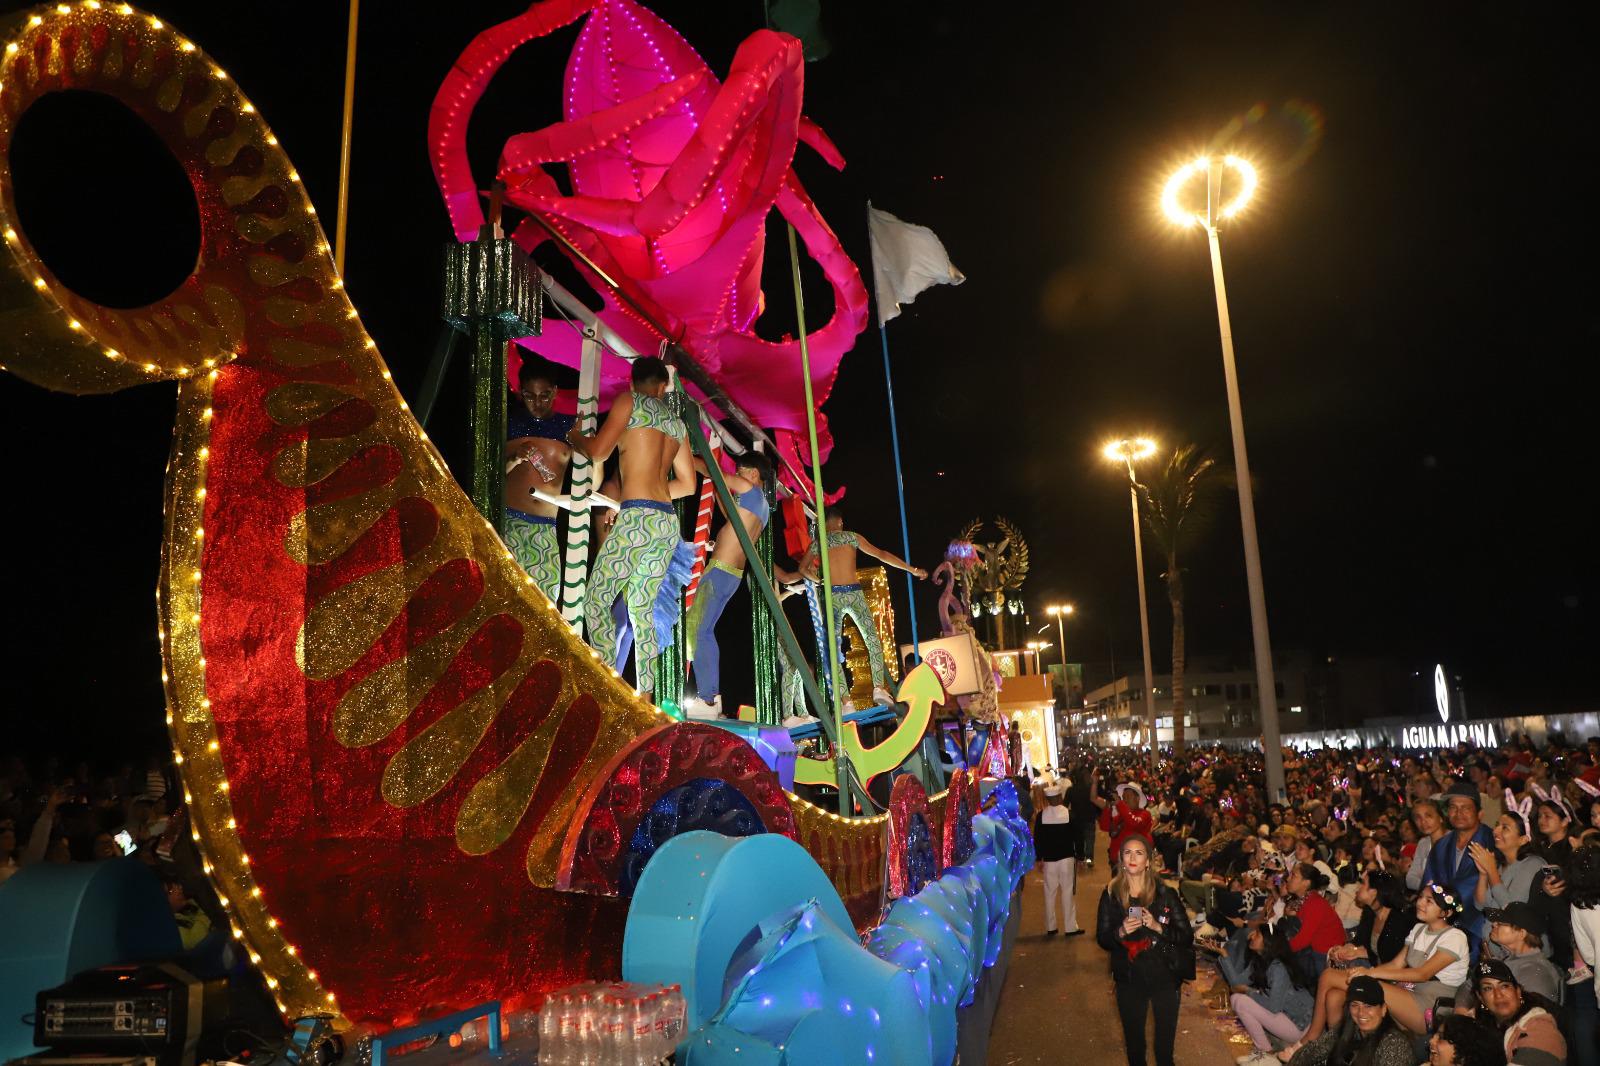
point(1243, 171)
point(1129, 450)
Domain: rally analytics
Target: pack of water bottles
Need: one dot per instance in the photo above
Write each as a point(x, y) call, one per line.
point(611, 1023)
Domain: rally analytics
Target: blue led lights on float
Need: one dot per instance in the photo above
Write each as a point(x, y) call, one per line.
point(772, 969)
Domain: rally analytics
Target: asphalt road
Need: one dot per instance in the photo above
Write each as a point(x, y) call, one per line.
point(1057, 1007)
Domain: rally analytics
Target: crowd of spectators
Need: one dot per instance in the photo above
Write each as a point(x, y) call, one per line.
point(1395, 907)
point(52, 812)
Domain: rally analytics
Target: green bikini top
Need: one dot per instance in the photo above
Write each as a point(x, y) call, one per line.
point(843, 538)
point(652, 412)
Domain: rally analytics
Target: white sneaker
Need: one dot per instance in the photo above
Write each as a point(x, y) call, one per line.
point(848, 707)
point(698, 709)
point(882, 698)
point(795, 721)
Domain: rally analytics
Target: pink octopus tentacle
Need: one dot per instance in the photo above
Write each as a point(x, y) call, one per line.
point(460, 92)
point(762, 94)
point(564, 140)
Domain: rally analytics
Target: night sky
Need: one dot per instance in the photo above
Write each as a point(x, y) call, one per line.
point(1410, 296)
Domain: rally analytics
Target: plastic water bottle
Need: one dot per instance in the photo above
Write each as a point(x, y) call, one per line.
point(550, 1036)
point(669, 1023)
point(643, 1043)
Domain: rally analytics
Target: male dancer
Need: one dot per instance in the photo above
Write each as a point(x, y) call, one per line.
point(723, 573)
point(634, 561)
point(848, 599)
point(536, 458)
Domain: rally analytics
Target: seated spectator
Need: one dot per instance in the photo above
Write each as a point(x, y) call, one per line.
point(1433, 965)
point(193, 924)
point(1461, 1040)
point(1275, 1002)
point(1527, 1022)
point(1367, 1034)
point(1516, 934)
point(1507, 872)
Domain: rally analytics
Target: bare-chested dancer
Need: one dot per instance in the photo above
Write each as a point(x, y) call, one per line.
point(848, 599)
point(635, 558)
point(536, 459)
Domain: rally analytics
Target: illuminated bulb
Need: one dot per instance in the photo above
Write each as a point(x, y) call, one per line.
point(169, 715)
point(213, 746)
point(194, 618)
point(271, 139)
point(205, 453)
point(74, 324)
point(92, 5)
point(294, 175)
point(195, 576)
point(242, 856)
point(387, 376)
point(156, 23)
point(212, 375)
point(38, 283)
point(63, 9)
point(272, 923)
point(248, 109)
point(371, 343)
point(164, 681)
point(206, 703)
point(126, 9)
point(206, 866)
point(272, 982)
point(11, 234)
point(255, 959)
point(151, 367)
point(222, 900)
point(35, 21)
point(199, 534)
point(222, 787)
point(293, 950)
point(206, 413)
point(232, 824)
point(256, 892)
point(200, 493)
point(178, 758)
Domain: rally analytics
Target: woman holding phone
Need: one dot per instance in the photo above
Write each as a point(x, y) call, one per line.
point(1143, 925)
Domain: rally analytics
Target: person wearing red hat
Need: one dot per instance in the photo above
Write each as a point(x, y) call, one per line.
point(1124, 816)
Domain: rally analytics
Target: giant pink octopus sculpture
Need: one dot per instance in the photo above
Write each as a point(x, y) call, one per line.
point(672, 176)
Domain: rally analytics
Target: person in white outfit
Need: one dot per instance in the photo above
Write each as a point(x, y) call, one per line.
point(1055, 842)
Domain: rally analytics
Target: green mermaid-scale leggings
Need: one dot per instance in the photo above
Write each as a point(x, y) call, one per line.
point(632, 563)
point(532, 540)
point(850, 602)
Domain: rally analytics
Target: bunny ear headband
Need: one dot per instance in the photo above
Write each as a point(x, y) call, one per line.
point(1590, 789)
point(1524, 808)
point(1554, 798)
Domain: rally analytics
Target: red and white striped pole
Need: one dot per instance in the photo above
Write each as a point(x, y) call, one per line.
point(702, 535)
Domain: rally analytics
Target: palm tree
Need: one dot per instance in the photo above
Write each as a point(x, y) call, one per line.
point(1177, 506)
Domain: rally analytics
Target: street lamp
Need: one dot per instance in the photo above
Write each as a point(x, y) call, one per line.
point(1059, 612)
point(1126, 452)
point(1245, 180)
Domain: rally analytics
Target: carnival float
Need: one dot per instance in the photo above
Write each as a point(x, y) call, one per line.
point(414, 787)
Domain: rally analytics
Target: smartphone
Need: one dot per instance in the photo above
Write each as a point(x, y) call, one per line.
point(1136, 912)
point(124, 841)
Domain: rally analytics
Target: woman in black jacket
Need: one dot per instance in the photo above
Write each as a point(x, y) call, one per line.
point(1143, 925)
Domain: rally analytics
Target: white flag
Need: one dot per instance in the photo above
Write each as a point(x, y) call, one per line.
point(905, 260)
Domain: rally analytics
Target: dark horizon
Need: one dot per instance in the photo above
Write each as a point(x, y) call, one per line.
point(1411, 315)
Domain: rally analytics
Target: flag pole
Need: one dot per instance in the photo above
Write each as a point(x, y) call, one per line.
point(900, 487)
point(841, 757)
point(344, 138)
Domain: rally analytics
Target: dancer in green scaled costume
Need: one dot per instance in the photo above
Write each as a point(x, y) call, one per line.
point(644, 549)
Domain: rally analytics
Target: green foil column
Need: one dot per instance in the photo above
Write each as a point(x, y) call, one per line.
point(763, 628)
point(492, 290)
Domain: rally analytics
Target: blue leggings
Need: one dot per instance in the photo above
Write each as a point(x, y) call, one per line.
point(717, 586)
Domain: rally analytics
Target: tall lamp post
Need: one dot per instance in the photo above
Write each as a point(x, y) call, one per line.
point(1126, 452)
point(1215, 212)
point(1059, 612)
